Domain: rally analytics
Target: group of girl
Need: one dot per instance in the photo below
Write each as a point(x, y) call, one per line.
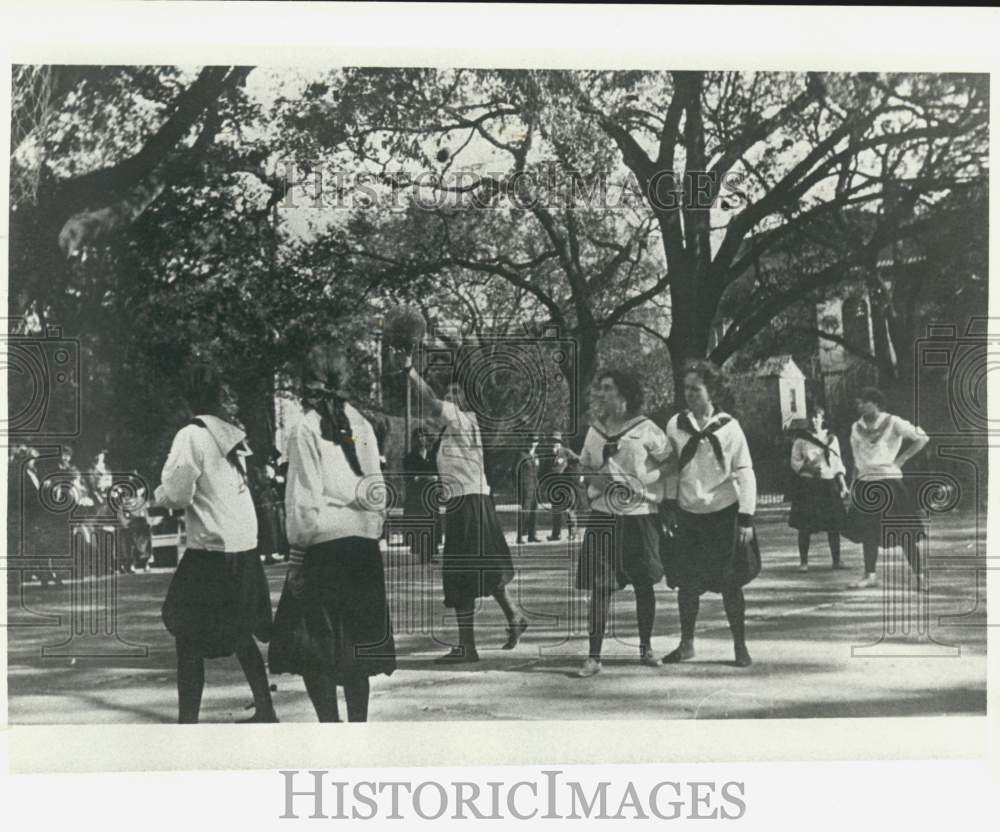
point(675, 502)
point(881, 444)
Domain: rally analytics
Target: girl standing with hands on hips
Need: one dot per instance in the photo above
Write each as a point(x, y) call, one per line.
point(882, 444)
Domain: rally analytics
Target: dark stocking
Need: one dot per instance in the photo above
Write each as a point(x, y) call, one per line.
point(356, 694)
point(804, 538)
point(252, 663)
point(600, 603)
point(870, 551)
point(323, 694)
point(833, 538)
point(645, 613)
point(190, 684)
point(735, 606)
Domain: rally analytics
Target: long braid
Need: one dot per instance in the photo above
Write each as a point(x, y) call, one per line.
point(336, 427)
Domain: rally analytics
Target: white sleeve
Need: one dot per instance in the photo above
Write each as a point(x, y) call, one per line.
point(798, 455)
point(304, 486)
point(656, 443)
point(908, 430)
point(450, 414)
point(587, 457)
point(181, 470)
point(837, 458)
point(746, 480)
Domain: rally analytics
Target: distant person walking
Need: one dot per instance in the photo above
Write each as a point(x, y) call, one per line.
point(526, 491)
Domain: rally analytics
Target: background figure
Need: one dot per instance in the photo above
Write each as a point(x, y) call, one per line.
point(420, 477)
point(819, 490)
point(137, 535)
point(562, 475)
point(526, 489)
point(882, 444)
point(277, 472)
point(98, 479)
point(265, 501)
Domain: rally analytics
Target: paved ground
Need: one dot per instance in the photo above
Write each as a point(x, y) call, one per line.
point(819, 649)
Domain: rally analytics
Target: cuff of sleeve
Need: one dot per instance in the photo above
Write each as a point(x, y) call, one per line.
point(744, 521)
point(296, 557)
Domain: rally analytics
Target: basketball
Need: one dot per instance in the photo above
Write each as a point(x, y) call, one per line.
point(404, 327)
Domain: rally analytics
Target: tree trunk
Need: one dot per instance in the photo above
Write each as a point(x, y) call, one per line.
point(579, 378)
point(255, 392)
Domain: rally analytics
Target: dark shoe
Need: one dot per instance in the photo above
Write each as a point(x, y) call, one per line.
point(514, 633)
point(457, 655)
point(519, 542)
point(533, 540)
point(271, 717)
point(684, 651)
point(553, 537)
point(742, 656)
point(647, 659)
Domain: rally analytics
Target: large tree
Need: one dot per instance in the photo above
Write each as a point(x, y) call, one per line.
point(729, 165)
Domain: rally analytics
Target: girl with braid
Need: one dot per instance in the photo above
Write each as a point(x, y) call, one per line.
point(712, 505)
point(335, 501)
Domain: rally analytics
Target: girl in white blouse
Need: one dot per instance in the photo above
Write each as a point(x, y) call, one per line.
point(623, 454)
point(218, 599)
point(712, 505)
point(335, 501)
point(820, 487)
point(882, 444)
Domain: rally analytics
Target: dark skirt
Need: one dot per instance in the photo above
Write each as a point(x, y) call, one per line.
point(216, 600)
point(476, 560)
point(816, 506)
point(706, 556)
point(618, 550)
point(340, 625)
point(877, 504)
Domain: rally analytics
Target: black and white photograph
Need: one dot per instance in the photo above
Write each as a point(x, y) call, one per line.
point(465, 392)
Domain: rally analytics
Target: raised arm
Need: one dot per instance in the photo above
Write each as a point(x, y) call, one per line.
point(429, 403)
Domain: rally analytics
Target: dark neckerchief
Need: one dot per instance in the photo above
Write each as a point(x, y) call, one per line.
point(611, 440)
point(691, 446)
point(813, 439)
